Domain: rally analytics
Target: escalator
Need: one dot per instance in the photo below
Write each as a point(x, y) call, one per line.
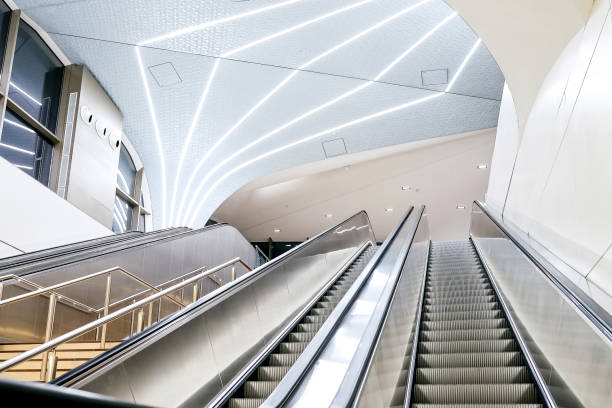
point(467, 355)
point(269, 374)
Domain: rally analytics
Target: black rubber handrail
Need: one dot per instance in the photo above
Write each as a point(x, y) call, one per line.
point(28, 394)
point(583, 306)
point(176, 318)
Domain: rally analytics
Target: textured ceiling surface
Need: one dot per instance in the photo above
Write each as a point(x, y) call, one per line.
point(256, 86)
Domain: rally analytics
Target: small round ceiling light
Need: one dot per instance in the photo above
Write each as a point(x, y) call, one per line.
point(388, 209)
point(405, 188)
point(277, 230)
point(482, 166)
point(460, 207)
point(328, 215)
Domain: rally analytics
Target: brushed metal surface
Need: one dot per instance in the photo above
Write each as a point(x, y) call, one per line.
point(332, 366)
point(573, 355)
point(193, 357)
point(155, 262)
point(385, 372)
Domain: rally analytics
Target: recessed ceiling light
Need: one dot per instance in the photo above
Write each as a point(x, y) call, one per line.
point(405, 188)
point(482, 166)
point(276, 230)
point(287, 245)
point(388, 209)
point(460, 207)
point(328, 215)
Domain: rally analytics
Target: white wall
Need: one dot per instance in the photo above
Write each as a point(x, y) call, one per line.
point(32, 217)
point(561, 186)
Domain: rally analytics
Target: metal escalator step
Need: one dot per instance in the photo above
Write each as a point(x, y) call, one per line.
point(259, 389)
point(453, 360)
point(245, 402)
point(309, 327)
point(292, 347)
point(459, 300)
point(472, 375)
point(319, 312)
point(453, 293)
point(461, 307)
point(456, 335)
point(475, 393)
point(299, 337)
point(445, 280)
point(464, 324)
point(284, 359)
point(271, 373)
point(466, 346)
point(457, 286)
point(325, 305)
point(474, 406)
point(315, 319)
point(476, 314)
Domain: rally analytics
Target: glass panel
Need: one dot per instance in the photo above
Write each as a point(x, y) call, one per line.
point(122, 216)
point(126, 174)
point(5, 19)
point(25, 148)
point(36, 78)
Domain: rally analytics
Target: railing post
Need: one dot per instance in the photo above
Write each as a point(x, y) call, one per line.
point(106, 303)
point(48, 332)
point(233, 272)
point(139, 320)
point(51, 365)
point(195, 291)
point(150, 316)
point(159, 308)
point(1, 288)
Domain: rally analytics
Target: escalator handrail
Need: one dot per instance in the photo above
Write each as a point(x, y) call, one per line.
point(30, 394)
point(127, 245)
point(351, 385)
point(546, 268)
point(176, 318)
point(535, 372)
point(296, 373)
point(223, 397)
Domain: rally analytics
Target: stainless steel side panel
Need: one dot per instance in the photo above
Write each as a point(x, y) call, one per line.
point(573, 355)
point(327, 372)
point(384, 373)
point(190, 362)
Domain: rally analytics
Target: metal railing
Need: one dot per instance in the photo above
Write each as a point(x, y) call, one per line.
point(48, 348)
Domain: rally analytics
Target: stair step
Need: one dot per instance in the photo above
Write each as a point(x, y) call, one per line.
point(457, 335)
point(269, 373)
point(472, 375)
point(245, 402)
point(464, 324)
point(452, 360)
point(259, 389)
point(475, 393)
point(476, 314)
point(467, 346)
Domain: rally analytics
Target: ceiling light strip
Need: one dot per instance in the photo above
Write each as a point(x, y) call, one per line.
point(211, 77)
point(463, 65)
point(19, 125)
point(305, 115)
point(158, 141)
point(328, 131)
point(27, 95)
point(278, 87)
point(208, 24)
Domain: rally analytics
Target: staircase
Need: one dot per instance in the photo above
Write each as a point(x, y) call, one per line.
point(69, 356)
point(467, 356)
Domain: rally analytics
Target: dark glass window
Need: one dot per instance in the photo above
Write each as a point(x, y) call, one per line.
point(126, 174)
point(122, 216)
point(25, 148)
point(5, 19)
point(36, 78)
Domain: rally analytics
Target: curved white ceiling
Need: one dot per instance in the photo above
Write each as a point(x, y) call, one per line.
point(256, 86)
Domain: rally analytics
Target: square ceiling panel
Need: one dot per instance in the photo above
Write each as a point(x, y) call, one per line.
point(165, 74)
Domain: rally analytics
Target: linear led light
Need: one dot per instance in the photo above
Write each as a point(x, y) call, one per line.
point(461, 207)
point(27, 95)
point(198, 111)
point(19, 125)
point(281, 85)
point(122, 211)
point(21, 166)
point(328, 131)
point(123, 180)
point(116, 218)
point(482, 166)
point(463, 64)
point(208, 24)
point(158, 141)
point(18, 149)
